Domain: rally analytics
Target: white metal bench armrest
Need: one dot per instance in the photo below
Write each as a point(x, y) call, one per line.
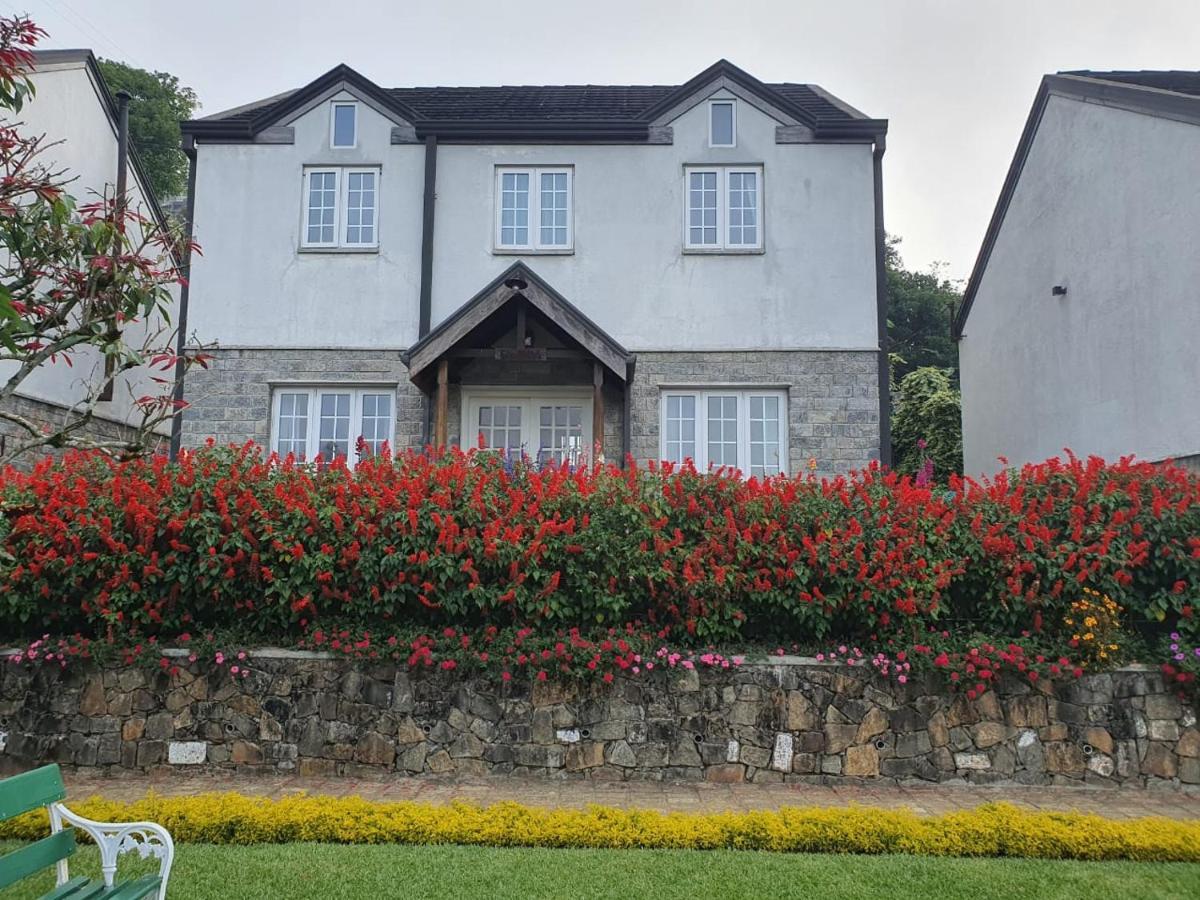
point(115, 838)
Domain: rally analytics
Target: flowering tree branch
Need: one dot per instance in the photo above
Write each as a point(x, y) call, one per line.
point(85, 285)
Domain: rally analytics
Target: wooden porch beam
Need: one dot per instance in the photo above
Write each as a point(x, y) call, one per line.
point(598, 410)
point(441, 410)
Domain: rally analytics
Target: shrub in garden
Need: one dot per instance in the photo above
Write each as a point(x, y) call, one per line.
point(231, 539)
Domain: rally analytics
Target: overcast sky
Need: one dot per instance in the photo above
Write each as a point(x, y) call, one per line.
point(955, 78)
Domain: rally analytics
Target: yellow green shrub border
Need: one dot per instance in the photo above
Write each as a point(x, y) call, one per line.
point(997, 829)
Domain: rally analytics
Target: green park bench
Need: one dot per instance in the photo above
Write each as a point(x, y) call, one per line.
point(44, 787)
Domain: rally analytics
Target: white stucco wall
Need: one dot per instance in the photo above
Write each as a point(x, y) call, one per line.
point(81, 139)
point(1108, 205)
point(813, 287)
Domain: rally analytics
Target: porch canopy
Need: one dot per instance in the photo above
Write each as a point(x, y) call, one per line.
point(518, 330)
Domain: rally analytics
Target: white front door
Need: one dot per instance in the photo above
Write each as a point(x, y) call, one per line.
point(543, 424)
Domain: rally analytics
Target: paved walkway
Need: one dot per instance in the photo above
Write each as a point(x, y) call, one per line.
point(678, 797)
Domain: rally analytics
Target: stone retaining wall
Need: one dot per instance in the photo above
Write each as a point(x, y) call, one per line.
point(793, 720)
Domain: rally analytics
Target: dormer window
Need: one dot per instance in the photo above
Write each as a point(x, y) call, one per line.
point(722, 124)
point(343, 125)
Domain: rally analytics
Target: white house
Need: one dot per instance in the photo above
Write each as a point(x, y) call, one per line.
point(675, 271)
point(75, 112)
point(1080, 322)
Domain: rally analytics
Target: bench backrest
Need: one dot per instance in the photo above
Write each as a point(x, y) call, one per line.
point(20, 794)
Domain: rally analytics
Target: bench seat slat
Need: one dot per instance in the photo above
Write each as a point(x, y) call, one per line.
point(81, 888)
point(35, 857)
point(30, 790)
point(134, 890)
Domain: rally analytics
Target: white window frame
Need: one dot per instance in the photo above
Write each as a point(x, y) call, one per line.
point(314, 392)
point(529, 399)
point(333, 108)
point(723, 245)
point(743, 395)
point(342, 195)
point(534, 244)
point(732, 104)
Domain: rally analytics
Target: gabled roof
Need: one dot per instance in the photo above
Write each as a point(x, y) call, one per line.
point(87, 59)
point(1171, 95)
point(544, 112)
point(518, 280)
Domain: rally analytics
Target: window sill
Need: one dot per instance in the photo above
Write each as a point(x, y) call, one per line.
point(721, 251)
point(515, 251)
point(337, 250)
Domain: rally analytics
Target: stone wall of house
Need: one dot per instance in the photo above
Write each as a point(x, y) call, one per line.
point(792, 720)
point(833, 399)
point(50, 415)
point(230, 401)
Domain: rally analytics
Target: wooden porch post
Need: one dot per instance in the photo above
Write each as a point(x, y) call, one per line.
point(441, 410)
point(598, 410)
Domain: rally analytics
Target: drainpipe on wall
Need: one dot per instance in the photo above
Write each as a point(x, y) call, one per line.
point(119, 204)
point(189, 148)
point(425, 313)
point(881, 304)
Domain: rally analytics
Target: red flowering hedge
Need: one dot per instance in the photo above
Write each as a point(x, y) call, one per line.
point(228, 539)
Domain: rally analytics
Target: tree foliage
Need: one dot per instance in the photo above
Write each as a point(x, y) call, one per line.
point(159, 103)
point(927, 424)
point(82, 284)
point(920, 305)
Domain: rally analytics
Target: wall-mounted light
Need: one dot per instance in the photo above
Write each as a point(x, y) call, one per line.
point(1059, 290)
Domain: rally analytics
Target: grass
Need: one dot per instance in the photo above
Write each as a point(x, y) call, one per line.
point(299, 871)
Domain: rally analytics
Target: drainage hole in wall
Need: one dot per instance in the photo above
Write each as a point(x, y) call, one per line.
point(427, 728)
point(1088, 750)
point(585, 732)
point(881, 744)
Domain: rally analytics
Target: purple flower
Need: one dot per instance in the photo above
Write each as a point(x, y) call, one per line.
point(1179, 657)
point(922, 443)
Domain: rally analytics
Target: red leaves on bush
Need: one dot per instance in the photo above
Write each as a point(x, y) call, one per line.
point(228, 538)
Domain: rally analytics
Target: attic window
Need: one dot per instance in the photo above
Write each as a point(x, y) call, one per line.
point(721, 124)
point(343, 125)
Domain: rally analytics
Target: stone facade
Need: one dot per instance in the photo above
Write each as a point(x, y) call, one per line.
point(230, 401)
point(833, 396)
point(790, 720)
point(833, 399)
point(52, 415)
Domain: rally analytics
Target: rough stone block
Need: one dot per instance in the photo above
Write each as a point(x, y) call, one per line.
point(862, 761)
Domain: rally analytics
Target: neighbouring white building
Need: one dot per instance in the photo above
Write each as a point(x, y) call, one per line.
point(1081, 321)
point(75, 112)
point(687, 271)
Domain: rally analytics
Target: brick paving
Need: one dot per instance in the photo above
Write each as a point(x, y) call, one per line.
point(1123, 803)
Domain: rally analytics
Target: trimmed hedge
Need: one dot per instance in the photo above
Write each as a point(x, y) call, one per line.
point(991, 830)
point(226, 538)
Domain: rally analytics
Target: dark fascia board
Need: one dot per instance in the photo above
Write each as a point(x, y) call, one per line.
point(1132, 98)
point(88, 58)
point(518, 269)
point(723, 68)
point(246, 129)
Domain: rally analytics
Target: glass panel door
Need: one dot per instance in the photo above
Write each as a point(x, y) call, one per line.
point(560, 434)
point(334, 426)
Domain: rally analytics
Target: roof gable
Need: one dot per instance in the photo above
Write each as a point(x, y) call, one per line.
point(1134, 93)
point(518, 280)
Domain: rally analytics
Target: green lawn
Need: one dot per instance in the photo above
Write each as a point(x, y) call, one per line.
point(272, 872)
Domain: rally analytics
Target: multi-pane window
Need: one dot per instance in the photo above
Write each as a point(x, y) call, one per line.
point(679, 427)
point(343, 126)
point(740, 429)
point(721, 128)
point(533, 209)
point(543, 429)
point(329, 421)
point(702, 209)
point(341, 208)
point(723, 208)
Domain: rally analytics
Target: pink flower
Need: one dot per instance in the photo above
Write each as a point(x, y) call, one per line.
point(820, 657)
point(242, 655)
point(687, 664)
point(233, 670)
point(902, 678)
